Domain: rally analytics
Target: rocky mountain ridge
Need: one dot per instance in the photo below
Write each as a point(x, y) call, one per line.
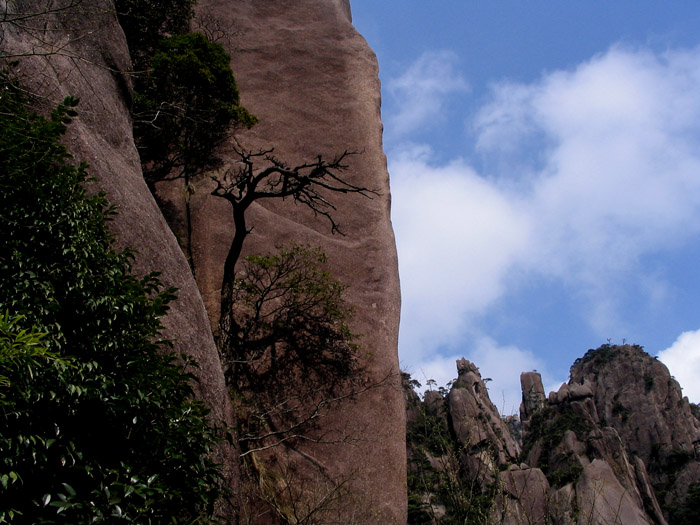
point(616, 444)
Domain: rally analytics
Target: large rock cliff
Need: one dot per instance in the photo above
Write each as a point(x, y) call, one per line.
point(312, 81)
point(635, 394)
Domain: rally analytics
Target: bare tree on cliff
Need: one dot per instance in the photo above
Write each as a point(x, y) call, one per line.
point(307, 184)
point(286, 349)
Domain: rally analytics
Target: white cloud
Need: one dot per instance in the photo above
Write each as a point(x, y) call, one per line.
point(609, 172)
point(683, 361)
point(421, 92)
point(621, 158)
point(456, 236)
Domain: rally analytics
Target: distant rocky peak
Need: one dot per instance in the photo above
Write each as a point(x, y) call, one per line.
point(634, 393)
point(476, 421)
point(534, 399)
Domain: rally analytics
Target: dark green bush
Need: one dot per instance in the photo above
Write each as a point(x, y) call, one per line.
point(547, 427)
point(185, 107)
point(689, 512)
point(145, 22)
point(97, 421)
point(293, 344)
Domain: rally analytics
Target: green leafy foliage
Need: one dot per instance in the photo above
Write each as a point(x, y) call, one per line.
point(438, 474)
point(689, 512)
point(145, 22)
point(185, 106)
point(293, 349)
point(429, 432)
point(648, 382)
point(22, 353)
point(97, 422)
point(547, 428)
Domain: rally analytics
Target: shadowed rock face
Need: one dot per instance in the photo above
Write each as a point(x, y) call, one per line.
point(91, 64)
point(311, 79)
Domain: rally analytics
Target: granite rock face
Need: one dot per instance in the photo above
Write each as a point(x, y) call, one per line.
point(312, 81)
point(590, 471)
point(476, 421)
point(571, 466)
point(458, 445)
point(619, 437)
point(635, 394)
point(534, 399)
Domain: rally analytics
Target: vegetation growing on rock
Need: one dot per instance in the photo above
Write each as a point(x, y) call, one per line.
point(97, 419)
point(185, 106)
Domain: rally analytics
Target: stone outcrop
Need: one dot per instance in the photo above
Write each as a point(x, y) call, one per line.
point(534, 399)
point(635, 394)
point(618, 438)
point(586, 460)
point(477, 423)
point(458, 445)
point(590, 472)
point(577, 463)
point(524, 497)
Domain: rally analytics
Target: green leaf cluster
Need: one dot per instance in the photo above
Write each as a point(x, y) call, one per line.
point(97, 422)
point(145, 22)
point(547, 428)
point(292, 337)
point(185, 106)
point(438, 474)
point(689, 512)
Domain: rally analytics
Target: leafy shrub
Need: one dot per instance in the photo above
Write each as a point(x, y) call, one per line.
point(185, 106)
point(145, 22)
point(568, 473)
point(547, 427)
point(648, 382)
point(97, 421)
point(620, 410)
point(689, 512)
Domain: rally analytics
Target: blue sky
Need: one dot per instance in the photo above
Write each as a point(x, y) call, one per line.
point(545, 168)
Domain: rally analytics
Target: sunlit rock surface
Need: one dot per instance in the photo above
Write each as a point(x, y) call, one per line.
point(312, 80)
